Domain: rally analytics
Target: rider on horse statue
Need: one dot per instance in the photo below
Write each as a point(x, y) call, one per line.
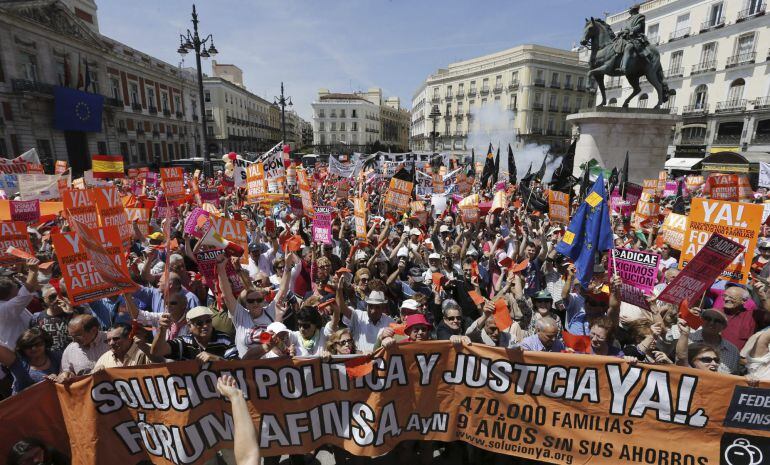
point(631, 40)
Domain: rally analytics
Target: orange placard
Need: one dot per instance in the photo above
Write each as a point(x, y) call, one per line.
point(172, 180)
point(398, 196)
point(722, 187)
point(112, 213)
point(672, 231)
point(359, 212)
point(305, 193)
point(142, 218)
point(13, 234)
point(84, 281)
point(647, 208)
point(79, 205)
point(234, 231)
point(558, 207)
point(737, 221)
point(502, 315)
point(256, 185)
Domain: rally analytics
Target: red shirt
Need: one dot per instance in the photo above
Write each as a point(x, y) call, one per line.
point(742, 325)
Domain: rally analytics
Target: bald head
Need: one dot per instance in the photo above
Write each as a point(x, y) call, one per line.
point(83, 329)
point(547, 331)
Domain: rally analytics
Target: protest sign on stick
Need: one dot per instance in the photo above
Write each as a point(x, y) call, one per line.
point(700, 272)
point(322, 225)
point(638, 272)
point(737, 221)
point(25, 210)
point(359, 212)
point(172, 180)
point(13, 234)
point(79, 205)
point(558, 207)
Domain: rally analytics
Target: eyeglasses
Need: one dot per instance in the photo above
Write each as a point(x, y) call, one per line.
point(305, 325)
point(255, 301)
point(363, 280)
point(708, 359)
point(345, 342)
point(200, 323)
point(420, 328)
point(324, 266)
point(453, 318)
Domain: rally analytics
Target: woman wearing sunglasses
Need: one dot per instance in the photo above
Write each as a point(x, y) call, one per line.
point(33, 360)
point(703, 357)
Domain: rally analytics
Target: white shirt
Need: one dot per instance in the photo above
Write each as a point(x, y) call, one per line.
point(365, 332)
point(14, 318)
point(323, 336)
point(81, 361)
point(243, 322)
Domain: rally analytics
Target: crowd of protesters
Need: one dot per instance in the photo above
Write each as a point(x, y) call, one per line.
point(413, 278)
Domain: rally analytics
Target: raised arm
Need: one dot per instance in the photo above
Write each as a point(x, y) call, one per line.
point(160, 346)
point(245, 442)
point(224, 286)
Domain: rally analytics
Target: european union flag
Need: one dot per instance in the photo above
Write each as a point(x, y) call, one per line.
point(588, 232)
point(77, 111)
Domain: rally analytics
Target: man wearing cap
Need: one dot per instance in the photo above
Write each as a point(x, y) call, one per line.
point(714, 322)
point(278, 344)
point(203, 343)
point(366, 326)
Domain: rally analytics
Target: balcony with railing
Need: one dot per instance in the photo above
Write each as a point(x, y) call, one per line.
point(139, 131)
point(485, 90)
point(152, 110)
point(568, 86)
point(136, 106)
point(459, 134)
point(122, 129)
point(704, 67)
point(156, 134)
point(727, 139)
point(739, 59)
point(553, 108)
point(113, 102)
point(448, 96)
point(555, 85)
point(166, 112)
point(498, 88)
point(459, 115)
point(762, 103)
point(460, 94)
point(731, 106)
point(536, 131)
point(210, 118)
point(23, 85)
point(472, 92)
point(513, 86)
point(692, 140)
point(537, 106)
point(169, 135)
point(679, 34)
point(749, 13)
point(565, 109)
point(179, 115)
point(539, 82)
point(695, 110)
point(512, 106)
point(434, 99)
point(712, 24)
point(761, 138)
point(674, 72)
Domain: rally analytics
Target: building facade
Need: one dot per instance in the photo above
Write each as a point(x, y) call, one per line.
point(150, 112)
point(236, 119)
point(359, 122)
point(533, 86)
point(715, 56)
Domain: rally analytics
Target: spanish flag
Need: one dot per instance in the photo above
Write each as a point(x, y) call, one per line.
point(108, 166)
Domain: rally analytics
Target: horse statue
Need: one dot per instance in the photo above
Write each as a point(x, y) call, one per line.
point(606, 56)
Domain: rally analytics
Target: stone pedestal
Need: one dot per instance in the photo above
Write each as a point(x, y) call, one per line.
point(607, 133)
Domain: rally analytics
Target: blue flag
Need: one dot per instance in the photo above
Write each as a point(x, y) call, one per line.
point(589, 232)
point(75, 110)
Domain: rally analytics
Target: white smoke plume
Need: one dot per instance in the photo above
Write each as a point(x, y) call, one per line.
point(494, 123)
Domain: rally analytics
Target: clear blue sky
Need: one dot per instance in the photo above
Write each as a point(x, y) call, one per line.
point(347, 45)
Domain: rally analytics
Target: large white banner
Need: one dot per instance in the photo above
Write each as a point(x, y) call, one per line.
point(41, 186)
point(764, 174)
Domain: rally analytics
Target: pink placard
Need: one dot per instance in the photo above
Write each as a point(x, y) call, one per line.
point(25, 210)
point(322, 225)
point(194, 220)
point(639, 273)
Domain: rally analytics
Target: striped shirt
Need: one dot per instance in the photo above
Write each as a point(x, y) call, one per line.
point(187, 347)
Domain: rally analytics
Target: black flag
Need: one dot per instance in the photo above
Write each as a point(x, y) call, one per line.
point(511, 166)
point(496, 172)
point(471, 168)
point(562, 179)
point(613, 180)
point(624, 177)
point(541, 172)
point(489, 167)
point(585, 182)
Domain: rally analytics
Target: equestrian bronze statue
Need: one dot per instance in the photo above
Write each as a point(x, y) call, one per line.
point(628, 54)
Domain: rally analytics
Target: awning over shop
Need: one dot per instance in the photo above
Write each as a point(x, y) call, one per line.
point(684, 164)
point(734, 162)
